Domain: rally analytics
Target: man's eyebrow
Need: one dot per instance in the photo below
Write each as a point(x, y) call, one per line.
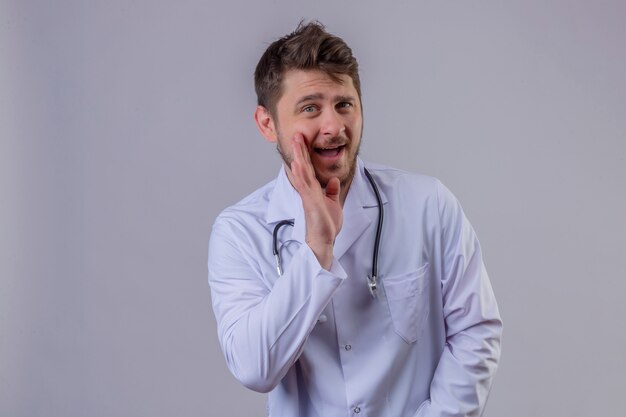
point(318, 96)
point(345, 98)
point(310, 97)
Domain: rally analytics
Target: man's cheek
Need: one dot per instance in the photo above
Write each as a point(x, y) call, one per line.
point(306, 130)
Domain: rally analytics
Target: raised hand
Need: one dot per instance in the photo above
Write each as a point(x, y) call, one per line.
point(322, 208)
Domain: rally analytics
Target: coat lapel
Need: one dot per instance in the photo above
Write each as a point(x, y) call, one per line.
point(285, 204)
point(357, 211)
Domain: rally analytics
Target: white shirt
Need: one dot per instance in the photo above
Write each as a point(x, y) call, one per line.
point(427, 346)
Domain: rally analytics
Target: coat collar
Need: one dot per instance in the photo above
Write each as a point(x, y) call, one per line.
point(285, 203)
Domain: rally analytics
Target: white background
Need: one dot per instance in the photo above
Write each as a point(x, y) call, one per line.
point(126, 126)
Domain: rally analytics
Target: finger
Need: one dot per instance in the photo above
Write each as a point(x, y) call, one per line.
point(299, 151)
point(297, 163)
point(296, 147)
point(333, 188)
point(299, 138)
point(299, 171)
point(302, 159)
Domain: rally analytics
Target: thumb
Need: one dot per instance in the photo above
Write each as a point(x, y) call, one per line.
point(332, 189)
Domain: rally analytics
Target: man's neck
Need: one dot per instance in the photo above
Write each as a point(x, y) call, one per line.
point(343, 191)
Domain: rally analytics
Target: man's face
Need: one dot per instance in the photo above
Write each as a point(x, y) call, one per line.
point(328, 115)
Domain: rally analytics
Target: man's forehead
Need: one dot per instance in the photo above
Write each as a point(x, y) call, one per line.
point(308, 82)
point(297, 85)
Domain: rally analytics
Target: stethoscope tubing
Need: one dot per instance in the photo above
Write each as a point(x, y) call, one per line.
point(277, 257)
point(379, 228)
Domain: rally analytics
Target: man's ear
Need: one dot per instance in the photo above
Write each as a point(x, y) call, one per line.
point(265, 123)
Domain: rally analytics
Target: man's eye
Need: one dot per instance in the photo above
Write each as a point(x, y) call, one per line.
point(308, 109)
point(344, 105)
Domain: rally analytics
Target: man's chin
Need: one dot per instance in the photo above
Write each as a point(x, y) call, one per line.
point(344, 174)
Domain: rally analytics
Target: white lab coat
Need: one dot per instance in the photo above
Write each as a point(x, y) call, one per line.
point(427, 346)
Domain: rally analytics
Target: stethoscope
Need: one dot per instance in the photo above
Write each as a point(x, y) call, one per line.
point(371, 279)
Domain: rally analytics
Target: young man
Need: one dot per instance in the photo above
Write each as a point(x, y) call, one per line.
point(320, 329)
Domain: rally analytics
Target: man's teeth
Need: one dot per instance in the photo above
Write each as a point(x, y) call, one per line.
point(329, 151)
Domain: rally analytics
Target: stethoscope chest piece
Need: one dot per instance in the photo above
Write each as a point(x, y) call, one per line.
point(372, 285)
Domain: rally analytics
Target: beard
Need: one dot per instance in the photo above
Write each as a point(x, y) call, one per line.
point(346, 179)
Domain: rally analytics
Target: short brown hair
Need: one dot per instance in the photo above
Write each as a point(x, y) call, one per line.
point(309, 47)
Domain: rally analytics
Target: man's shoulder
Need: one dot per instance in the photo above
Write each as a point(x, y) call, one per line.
point(414, 190)
point(400, 179)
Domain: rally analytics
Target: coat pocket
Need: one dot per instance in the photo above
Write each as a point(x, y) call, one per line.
point(407, 297)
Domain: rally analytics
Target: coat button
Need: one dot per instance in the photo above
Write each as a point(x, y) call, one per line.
point(348, 347)
point(357, 410)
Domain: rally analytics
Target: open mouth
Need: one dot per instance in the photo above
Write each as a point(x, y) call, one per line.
point(329, 152)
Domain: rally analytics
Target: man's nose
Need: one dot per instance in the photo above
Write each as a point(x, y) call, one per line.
point(332, 124)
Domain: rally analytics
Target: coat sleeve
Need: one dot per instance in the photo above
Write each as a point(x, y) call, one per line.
point(262, 330)
point(463, 377)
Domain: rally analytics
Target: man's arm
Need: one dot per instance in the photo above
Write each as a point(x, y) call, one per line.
point(470, 357)
point(262, 331)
